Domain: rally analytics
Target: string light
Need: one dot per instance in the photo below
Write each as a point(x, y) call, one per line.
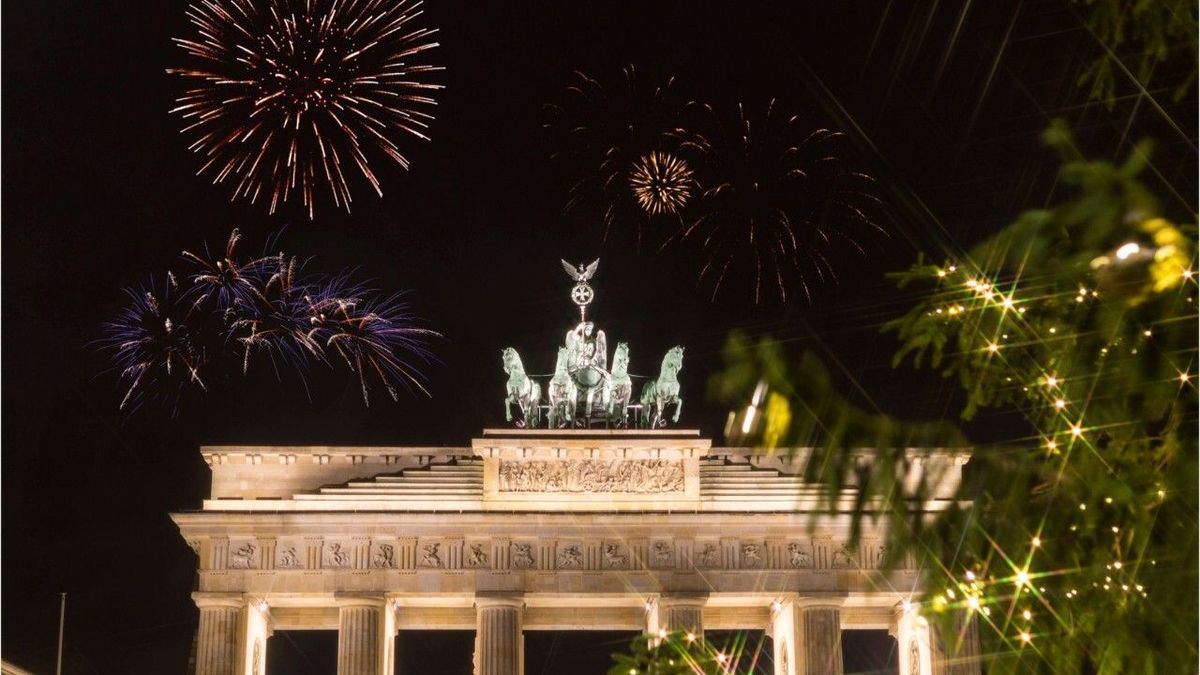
point(1025, 637)
point(993, 347)
point(1077, 430)
point(1022, 578)
point(1027, 615)
point(1060, 403)
point(1051, 381)
point(1037, 541)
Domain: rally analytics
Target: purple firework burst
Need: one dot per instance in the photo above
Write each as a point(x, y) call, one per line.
point(232, 310)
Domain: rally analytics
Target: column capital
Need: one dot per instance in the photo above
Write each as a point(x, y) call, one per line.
point(485, 600)
point(206, 599)
point(820, 601)
point(359, 600)
point(682, 599)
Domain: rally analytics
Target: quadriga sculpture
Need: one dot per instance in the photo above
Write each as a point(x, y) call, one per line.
point(562, 393)
point(619, 387)
point(522, 391)
point(663, 391)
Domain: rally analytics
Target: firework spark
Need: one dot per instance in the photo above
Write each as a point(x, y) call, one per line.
point(154, 351)
point(228, 310)
point(376, 338)
point(778, 202)
point(602, 133)
point(287, 95)
point(662, 183)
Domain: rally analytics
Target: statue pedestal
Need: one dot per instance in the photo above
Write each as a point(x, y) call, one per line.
point(592, 469)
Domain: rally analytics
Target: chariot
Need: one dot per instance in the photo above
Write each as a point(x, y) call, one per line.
point(583, 391)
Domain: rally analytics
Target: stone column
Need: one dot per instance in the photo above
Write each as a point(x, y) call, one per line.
point(499, 642)
point(807, 636)
point(911, 631)
point(682, 612)
point(220, 639)
point(955, 649)
point(364, 637)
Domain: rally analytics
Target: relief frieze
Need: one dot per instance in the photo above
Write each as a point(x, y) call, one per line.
point(640, 476)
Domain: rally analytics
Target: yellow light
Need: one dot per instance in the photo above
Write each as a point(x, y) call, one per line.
point(906, 606)
point(986, 611)
point(1108, 500)
point(953, 268)
point(1052, 444)
point(970, 575)
point(691, 637)
point(1187, 274)
point(1117, 564)
point(1027, 615)
point(1053, 330)
point(973, 602)
point(1077, 430)
point(1051, 381)
point(1037, 541)
point(1115, 529)
point(1147, 333)
point(972, 284)
point(1060, 403)
point(941, 273)
point(1022, 578)
point(1083, 507)
point(993, 347)
point(1184, 377)
point(721, 657)
point(1008, 303)
point(1025, 637)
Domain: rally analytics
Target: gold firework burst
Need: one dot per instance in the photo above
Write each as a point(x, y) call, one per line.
point(662, 183)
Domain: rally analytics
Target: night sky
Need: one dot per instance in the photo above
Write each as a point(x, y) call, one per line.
point(943, 104)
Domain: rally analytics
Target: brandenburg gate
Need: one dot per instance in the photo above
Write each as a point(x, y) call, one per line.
point(543, 530)
point(590, 515)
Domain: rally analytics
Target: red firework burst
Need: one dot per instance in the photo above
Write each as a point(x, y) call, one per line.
point(290, 96)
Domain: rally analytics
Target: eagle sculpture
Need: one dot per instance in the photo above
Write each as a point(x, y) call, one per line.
point(581, 274)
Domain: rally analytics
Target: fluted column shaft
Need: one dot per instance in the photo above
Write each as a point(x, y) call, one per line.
point(360, 638)
point(218, 639)
point(955, 651)
point(499, 642)
point(682, 613)
point(807, 634)
point(822, 629)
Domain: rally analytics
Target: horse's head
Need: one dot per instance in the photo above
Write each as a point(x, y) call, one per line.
point(673, 361)
point(512, 360)
point(621, 358)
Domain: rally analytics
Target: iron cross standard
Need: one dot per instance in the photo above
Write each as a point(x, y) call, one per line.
point(582, 293)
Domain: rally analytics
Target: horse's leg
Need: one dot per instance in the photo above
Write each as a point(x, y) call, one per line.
point(508, 408)
point(678, 408)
